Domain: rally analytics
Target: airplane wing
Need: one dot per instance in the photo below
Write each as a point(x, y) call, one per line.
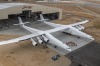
point(53, 24)
point(63, 27)
point(80, 23)
point(57, 29)
point(19, 39)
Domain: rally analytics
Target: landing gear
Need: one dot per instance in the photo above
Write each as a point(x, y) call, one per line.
point(55, 46)
point(78, 37)
point(44, 46)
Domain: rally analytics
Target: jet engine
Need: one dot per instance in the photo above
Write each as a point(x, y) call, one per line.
point(33, 42)
point(45, 39)
point(82, 27)
point(79, 27)
point(39, 40)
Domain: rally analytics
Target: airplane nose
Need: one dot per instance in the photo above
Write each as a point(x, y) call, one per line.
point(67, 48)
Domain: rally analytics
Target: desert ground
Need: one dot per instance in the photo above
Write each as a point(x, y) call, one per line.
point(25, 54)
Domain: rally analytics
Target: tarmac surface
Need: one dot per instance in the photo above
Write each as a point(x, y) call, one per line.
point(59, 35)
point(88, 55)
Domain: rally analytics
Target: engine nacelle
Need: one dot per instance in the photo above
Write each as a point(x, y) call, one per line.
point(39, 40)
point(45, 39)
point(33, 42)
point(79, 27)
point(78, 33)
point(82, 27)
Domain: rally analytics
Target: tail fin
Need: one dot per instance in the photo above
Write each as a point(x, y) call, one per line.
point(20, 22)
point(42, 18)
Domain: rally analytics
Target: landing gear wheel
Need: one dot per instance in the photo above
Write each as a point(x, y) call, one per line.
point(55, 46)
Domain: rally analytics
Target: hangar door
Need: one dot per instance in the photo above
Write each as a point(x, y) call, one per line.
point(26, 13)
point(52, 16)
point(36, 15)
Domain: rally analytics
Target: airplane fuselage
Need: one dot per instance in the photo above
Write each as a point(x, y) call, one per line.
point(71, 30)
point(56, 42)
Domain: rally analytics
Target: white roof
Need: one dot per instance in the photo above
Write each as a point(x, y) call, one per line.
point(7, 5)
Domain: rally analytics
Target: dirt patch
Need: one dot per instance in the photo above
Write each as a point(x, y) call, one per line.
point(25, 54)
point(96, 10)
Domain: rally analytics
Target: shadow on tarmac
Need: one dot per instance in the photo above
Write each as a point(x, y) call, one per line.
point(88, 55)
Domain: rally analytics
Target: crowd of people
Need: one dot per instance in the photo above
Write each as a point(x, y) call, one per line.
point(71, 43)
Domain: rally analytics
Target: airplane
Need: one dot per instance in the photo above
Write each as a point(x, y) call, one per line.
point(72, 29)
point(39, 37)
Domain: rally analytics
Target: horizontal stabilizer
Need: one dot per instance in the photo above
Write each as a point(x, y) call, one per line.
point(42, 20)
point(22, 23)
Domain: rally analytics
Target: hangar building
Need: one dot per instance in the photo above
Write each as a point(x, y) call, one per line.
point(11, 10)
point(9, 13)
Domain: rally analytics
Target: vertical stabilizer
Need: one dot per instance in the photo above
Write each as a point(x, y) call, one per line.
point(42, 19)
point(20, 22)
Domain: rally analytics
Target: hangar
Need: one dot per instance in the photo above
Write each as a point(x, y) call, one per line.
point(9, 13)
point(26, 10)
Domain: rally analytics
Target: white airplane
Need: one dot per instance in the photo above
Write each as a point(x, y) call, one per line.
point(73, 29)
point(44, 36)
point(39, 37)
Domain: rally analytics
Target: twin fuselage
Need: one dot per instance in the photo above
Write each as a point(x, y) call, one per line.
point(46, 37)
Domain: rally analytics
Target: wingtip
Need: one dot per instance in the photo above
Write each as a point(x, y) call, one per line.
point(69, 49)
